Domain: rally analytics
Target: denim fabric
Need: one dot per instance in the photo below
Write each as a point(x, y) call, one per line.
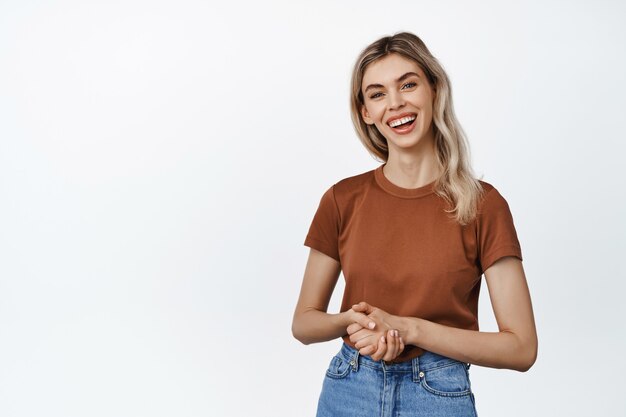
point(430, 385)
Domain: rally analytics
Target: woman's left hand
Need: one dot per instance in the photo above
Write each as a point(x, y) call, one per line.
point(383, 342)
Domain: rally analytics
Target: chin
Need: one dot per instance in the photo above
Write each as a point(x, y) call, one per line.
point(406, 143)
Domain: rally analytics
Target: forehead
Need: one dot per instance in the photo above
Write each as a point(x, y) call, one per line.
point(388, 69)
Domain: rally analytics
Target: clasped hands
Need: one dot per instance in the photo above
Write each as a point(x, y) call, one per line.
point(379, 339)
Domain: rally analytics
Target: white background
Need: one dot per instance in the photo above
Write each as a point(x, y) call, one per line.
point(161, 161)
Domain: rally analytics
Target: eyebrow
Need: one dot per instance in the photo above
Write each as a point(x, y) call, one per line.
point(405, 76)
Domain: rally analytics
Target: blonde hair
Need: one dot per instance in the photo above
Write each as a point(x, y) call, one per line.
point(457, 184)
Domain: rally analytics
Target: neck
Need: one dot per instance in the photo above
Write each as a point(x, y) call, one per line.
point(412, 168)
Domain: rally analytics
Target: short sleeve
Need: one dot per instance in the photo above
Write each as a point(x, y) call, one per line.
point(497, 236)
point(323, 233)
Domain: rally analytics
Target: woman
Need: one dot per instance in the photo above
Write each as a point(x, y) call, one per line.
point(413, 238)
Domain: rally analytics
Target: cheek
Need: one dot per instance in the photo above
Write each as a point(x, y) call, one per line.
point(428, 114)
point(429, 117)
point(376, 114)
point(376, 110)
point(427, 108)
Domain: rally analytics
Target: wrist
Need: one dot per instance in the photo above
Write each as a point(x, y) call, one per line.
point(343, 319)
point(415, 331)
point(409, 328)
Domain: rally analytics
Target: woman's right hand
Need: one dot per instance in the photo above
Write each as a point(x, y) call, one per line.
point(360, 318)
point(385, 344)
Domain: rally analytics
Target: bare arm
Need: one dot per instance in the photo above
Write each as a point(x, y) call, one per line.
point(513, 347)
point(311, 323)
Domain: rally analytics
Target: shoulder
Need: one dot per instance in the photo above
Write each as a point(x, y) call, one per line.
point(487, 186)
point(354, 185)
point(347, 191)
point(491, 199)
point(487, 189)
point(490, 192)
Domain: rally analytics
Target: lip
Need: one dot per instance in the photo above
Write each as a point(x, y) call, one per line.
point(405, 130)
point(400, 116)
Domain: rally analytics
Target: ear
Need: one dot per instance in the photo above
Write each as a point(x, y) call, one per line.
point(366, 116)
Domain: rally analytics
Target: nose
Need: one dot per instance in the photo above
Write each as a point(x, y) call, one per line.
point(396, 100)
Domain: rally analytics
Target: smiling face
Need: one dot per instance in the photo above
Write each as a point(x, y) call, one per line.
point(398, 100)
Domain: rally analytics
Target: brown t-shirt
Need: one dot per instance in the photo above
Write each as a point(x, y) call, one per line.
point(400, 251)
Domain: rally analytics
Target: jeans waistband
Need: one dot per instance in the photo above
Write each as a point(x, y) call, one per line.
point(425, 362)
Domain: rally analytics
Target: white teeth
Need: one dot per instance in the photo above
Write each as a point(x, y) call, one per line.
point(399, 122)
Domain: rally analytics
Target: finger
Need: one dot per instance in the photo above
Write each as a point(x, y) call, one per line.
point(359, 306)
point(368, 350)
point(396, 343)
point(353, 328)
point(392, 345)
point(401, 345)
point(397, 348)
point(363, 307)
point(382, 348)
point(364, 339)
point(364, 321)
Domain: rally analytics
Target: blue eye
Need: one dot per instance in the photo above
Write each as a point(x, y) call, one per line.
point(407, 85)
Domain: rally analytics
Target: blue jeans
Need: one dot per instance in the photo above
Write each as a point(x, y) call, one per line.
point(430, 385)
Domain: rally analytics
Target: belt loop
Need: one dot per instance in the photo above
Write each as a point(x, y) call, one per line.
point(416, 368)
point(355, 361)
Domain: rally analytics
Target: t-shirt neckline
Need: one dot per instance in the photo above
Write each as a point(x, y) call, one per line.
point(402, 192)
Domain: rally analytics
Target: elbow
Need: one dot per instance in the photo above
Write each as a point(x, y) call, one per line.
point(298, 334)
point(528, 356)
